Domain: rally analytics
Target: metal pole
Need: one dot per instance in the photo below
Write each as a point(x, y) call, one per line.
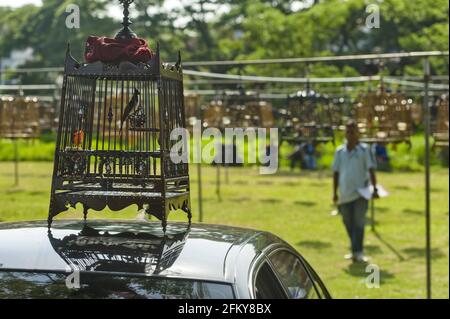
point(200, 197)
point(218, 182)
point(372, 209)
point(426, 106)
point(1, 71)
point(227, 177)
point(16, 162)
point(199, 158)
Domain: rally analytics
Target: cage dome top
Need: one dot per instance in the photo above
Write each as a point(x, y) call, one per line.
point(125, 46)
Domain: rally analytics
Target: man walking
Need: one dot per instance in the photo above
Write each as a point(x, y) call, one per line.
point(353, 166)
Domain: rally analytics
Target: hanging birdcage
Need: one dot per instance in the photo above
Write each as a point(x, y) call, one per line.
point(341, 111)
point(213, 115)
point(192, 108)
point(113, 146)
point(47, 116)
point(308, 118)
point(239, 110)
point(401, 117)
point(384, 117)
point(441, 125)
point(260, 114)
point(19, 117)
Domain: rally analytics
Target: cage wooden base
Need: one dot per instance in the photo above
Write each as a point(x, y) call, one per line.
point(154, 203)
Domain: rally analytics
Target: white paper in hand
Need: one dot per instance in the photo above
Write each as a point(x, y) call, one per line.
point(367, 192)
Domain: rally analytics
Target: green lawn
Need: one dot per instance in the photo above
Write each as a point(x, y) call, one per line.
point(297, 208)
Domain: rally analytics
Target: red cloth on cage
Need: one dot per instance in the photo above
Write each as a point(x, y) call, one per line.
point(117, 50)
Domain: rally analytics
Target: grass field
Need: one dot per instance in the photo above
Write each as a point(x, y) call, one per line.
point(297, 208)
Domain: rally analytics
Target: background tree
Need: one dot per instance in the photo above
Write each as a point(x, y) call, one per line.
point(242, 29)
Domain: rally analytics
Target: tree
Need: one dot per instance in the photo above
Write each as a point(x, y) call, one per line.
point(242, 29)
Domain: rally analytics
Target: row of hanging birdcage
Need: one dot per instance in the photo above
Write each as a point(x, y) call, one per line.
point(19, 117)
point(25, 117)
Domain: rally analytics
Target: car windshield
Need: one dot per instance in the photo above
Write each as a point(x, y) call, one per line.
point(104, 286)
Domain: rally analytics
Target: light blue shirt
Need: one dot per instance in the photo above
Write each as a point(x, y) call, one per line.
point(353, 168)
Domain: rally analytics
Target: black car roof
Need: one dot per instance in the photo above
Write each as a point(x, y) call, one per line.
point(205, 252)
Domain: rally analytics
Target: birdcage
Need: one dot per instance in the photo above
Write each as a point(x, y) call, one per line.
point(214, 115)
point(341, 108)
point(384, 117)
point(47, 116)
point(114, 143)
point(19, 117)
point(308, 118)
point(260, 114)
point(192, 108)
point(401, 117)
point(239, 110)
point(441, 126)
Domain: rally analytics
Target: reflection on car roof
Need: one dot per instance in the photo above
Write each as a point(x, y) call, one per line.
point(127, 247)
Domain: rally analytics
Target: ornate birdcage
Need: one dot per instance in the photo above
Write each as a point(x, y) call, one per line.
point(308, 118)
point(384, 117)
point(441, 123)
point(113, 146)
point(19, 117)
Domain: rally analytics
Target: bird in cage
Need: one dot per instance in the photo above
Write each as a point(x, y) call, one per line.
point(130, 107)
point(78, 138)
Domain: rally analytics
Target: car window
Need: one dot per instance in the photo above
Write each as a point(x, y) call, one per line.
point(293, 275)
point(267, 285)
point(53, 286)
point(321, 290)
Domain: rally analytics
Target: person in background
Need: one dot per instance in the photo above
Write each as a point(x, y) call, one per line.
point(309, 150)
point(296, 157)
point(354, 167)
point(382, 157)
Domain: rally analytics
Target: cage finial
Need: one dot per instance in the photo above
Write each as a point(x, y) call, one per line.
point(126, 33)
